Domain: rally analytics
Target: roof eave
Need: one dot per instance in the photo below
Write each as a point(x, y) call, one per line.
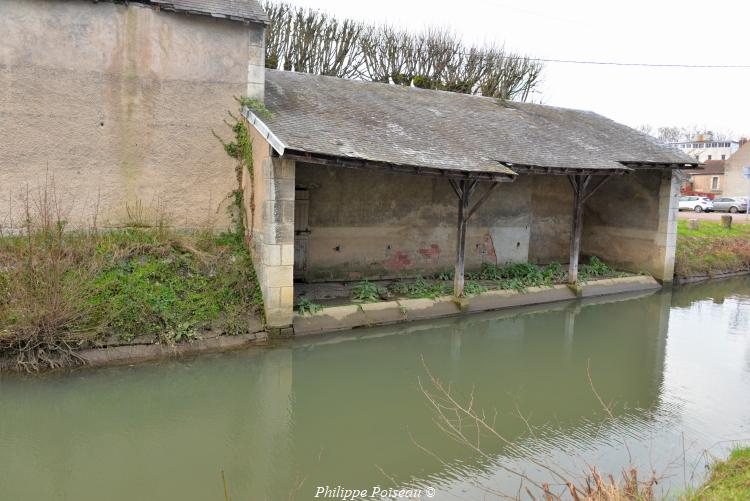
point(265, 131)
point(662, 165)
point(563, 171)
point(359, 163)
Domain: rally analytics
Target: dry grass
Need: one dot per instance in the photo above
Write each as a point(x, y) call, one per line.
point(61, 291)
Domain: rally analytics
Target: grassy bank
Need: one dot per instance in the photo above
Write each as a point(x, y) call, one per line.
point(711, 248)
point(63, 291)
point(729, 479)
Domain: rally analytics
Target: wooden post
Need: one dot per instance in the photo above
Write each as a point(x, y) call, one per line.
point(463, 206)
point(575, 242)
point(575, 234)
point(581, 193)
point(463, 190)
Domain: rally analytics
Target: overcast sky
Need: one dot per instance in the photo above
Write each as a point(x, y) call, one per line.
point(642, 31)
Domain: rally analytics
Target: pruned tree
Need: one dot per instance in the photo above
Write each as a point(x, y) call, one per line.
point(315, 42)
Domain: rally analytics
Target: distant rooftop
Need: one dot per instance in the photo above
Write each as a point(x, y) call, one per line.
point(377, 122)
point(710, 167)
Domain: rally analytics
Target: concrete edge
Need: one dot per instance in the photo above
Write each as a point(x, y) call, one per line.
point(95, 357)
point(692, 279)
point(341, 318)
point(618, 285)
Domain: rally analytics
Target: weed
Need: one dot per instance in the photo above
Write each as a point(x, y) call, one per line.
point(307, 306)
point(420, 288)
point(471, 287)
point(59, 293)
point(596, 268)
point(367, 291)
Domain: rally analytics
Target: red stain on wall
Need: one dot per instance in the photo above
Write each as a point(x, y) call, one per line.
point(431, 252)
point(490, 247)
point(397, 261)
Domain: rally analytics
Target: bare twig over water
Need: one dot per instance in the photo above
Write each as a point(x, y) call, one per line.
point(466, 424)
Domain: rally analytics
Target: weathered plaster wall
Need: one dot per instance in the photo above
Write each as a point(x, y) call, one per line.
point(365, 223)
point(736, 185)
point(117, 103)
point(370, 224)
point(269, 204)
point(552, 216)
point(631, 222)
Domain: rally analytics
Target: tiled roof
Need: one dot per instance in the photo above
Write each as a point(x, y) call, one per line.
point(238, 10)
point(710, 167)
point(441, 130)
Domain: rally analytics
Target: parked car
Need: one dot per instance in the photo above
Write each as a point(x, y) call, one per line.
point(697, 204)
point(730, 204)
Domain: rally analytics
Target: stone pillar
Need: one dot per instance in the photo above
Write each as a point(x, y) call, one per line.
point(665, 239)
point(275, 248)
point(256, 64)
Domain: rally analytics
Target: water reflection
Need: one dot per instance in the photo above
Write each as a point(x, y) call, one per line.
point(343, 410)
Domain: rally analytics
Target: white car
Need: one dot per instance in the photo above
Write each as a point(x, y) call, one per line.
point(696, 203)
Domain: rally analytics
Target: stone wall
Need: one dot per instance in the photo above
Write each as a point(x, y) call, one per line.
point(116, 103)
point(631, 223)
point(371, 224)
point(269, 203)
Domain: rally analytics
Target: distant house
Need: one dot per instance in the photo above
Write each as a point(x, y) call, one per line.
point(116, 101)
point(356, 180)
point(709, 179)
point(704, 148)
point(737, 185)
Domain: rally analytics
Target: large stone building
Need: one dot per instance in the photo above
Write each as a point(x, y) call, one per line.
point(357, 180)
point(115, 103)
point(705, 148)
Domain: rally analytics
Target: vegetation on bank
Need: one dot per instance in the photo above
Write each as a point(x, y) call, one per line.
point(63, 291)
point(729, 479)
point(711, 249)
point(512, 276)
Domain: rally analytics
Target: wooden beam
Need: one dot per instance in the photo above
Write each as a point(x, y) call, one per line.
point(354, 163)
point(481, 200)
point(593, 189)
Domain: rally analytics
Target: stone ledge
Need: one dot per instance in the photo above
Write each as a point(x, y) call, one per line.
point(347, 317)
point(335, 318)
point(142, 352)
point(419, 309)
point(618, 285)
point(495, 300)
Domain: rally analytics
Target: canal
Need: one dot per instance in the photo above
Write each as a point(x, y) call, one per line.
point(673, 367)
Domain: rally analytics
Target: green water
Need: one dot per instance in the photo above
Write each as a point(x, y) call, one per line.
point(348, 410)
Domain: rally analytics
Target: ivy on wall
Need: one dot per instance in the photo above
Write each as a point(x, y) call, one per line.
point(241, 149)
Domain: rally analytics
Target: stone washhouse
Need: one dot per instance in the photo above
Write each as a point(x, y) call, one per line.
point(356, 180)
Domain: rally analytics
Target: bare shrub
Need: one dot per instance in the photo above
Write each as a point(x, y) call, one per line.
point(462, 421)
point(41, 272)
